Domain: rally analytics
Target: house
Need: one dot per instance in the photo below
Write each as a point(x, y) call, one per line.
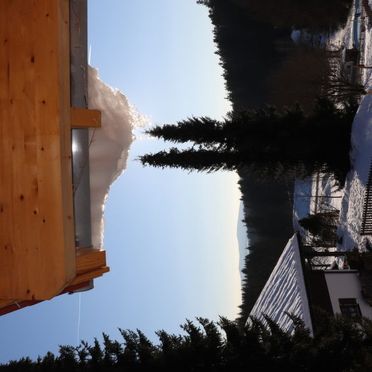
point(45, 232)
point(304, 281)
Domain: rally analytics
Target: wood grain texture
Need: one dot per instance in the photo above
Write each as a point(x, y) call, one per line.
point(4, 303)
point(88, 259)
point(85, 118)
point(37, 253)
point(90, 275)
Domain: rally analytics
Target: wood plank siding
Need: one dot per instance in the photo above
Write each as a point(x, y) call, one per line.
point(37, 249)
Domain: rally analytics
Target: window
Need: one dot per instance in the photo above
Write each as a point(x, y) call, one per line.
point(349, 307)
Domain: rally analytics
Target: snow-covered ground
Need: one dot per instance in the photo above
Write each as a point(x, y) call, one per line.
point(319, 193)
point(355, 187)
point(350, 199)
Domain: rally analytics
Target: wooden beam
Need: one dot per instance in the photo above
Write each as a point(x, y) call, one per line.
point(17, 306)
point(4, 303)
point(90, 275)
point(8, 306)
point(90, 264)
point(89, 259)
point(85, 118)
point(77, 287)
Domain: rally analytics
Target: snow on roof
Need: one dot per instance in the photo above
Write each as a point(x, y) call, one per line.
point(109, 146)
point(285, 292)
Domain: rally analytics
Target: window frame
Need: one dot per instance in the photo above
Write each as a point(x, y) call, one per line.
point(350, 308)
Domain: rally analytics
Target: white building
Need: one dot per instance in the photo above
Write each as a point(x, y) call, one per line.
point(296, 287)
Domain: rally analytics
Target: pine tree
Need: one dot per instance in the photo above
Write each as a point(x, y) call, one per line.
point(323, 226)
point(191, 159)
point(266, 141)
point(339, 344)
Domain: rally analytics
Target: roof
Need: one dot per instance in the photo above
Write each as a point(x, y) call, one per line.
point(285, 292)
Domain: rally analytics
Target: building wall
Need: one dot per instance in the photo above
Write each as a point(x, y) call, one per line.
point(37, 255)
point(346, 284)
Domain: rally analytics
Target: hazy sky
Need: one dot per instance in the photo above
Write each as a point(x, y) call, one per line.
point(170, 236)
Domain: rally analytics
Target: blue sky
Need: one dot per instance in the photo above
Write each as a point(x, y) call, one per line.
point(170, 236)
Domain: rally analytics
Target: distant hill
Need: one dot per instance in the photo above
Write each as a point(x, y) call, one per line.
point(243, 241)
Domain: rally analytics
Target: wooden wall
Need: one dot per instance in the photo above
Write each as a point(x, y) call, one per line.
point(37, 252)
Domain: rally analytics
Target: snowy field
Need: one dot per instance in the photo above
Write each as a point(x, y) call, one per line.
point(355, 187)
point(320, 192)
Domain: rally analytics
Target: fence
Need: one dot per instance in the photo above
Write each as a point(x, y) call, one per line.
point(367, 207)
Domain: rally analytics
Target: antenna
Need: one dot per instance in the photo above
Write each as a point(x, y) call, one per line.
point(78, 321)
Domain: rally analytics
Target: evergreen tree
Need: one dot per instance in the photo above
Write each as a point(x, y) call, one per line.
point(339, 344)
point(204, 130)
point(191, 159)
point(267, 141)
point(323, 226)
point(314, 15)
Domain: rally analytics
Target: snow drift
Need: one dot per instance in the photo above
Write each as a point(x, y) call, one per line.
point(354, 193)
point(350, 199)
point(108, 146)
